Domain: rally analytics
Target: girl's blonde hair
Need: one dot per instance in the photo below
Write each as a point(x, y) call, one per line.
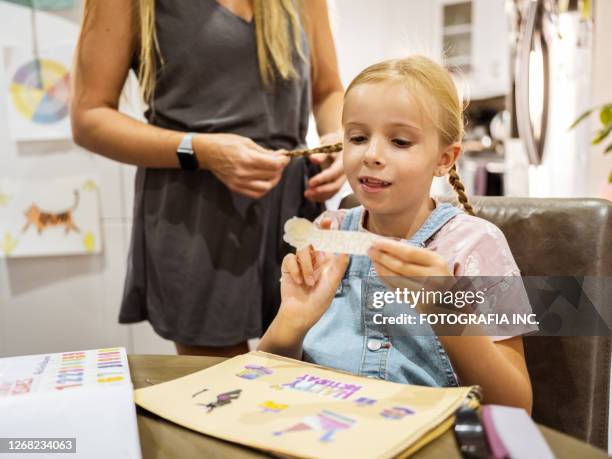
point(278, 32)
point(427, 80)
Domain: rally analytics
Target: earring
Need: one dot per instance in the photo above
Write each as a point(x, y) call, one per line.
point(440, 173)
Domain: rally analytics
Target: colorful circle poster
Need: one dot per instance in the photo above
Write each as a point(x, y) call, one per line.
point(38, 93)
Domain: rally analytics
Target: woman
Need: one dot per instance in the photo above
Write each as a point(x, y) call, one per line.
point(229, 84)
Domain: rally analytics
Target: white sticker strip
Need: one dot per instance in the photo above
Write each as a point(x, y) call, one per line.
point(300, 232)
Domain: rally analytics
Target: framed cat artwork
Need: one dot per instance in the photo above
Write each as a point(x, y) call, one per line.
point(49, 217)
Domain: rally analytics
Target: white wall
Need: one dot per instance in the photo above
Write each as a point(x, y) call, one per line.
point(601, 165)
point(62, 303)
point(366, 32)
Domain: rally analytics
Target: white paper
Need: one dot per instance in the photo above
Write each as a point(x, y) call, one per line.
point(300, 233)
point(32, 374)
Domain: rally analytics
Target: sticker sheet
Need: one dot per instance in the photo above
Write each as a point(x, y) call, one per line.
point(34, 374)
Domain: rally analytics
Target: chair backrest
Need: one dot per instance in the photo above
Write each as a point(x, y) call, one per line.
point(560, 237)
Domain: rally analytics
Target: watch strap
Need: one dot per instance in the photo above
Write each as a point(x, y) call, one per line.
point(185, 153)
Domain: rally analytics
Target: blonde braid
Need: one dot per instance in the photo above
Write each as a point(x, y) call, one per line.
point(455, 181)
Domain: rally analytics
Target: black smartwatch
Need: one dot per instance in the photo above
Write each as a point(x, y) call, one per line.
point(186, 156)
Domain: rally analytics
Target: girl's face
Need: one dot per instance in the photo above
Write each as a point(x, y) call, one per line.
point(391, 150)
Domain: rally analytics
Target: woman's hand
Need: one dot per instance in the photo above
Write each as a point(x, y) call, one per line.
point(308, 284)
point(242, 165)
point(327, 183)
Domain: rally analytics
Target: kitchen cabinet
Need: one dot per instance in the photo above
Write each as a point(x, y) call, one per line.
point(474, 37)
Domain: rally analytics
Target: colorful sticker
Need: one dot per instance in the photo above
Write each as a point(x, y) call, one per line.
point(272, 407)
point(397, 412)
point(110, 366)
point(322, 386)
point(22, 386)
point(254, 372)
point(327, 421)
point(364, 401)
point(71, 371)
point(222, 399)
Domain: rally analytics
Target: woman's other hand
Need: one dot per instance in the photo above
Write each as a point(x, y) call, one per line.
point(327, 183)
point(242, 165)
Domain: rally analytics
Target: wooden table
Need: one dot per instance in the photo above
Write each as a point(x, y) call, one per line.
point(162, 439)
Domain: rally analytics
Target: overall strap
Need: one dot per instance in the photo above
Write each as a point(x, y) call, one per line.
point(436, 220)
point(352, 219)
point(359, 265)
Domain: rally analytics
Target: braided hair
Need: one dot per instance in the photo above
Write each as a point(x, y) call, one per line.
point(455, 181)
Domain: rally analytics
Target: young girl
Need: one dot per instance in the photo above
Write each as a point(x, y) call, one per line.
point(402, 123)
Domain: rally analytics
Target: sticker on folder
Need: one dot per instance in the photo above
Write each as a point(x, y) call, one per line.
point(222, 399)
point(323, 386)
point(397, 412)
point(272, 407)
point(364, 401)
point(254, 372)
point(327, 421)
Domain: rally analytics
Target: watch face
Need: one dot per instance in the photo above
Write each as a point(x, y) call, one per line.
point(188, 161)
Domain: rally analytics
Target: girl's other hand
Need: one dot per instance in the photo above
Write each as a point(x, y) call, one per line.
point(309, 282)
point(242, 165)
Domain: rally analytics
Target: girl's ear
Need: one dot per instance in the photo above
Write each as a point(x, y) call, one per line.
point(448, 157)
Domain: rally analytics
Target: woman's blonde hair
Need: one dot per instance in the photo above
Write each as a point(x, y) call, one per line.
point(278, 32)
point(429, 82)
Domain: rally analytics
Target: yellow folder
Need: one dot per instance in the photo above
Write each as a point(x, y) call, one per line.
point(298, 409)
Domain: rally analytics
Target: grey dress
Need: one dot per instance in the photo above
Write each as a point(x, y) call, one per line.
point(204, 262)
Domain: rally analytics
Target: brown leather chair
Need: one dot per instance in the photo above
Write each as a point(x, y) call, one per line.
point(560, 237)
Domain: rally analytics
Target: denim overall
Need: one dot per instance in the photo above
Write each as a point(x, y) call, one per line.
point(347, 338)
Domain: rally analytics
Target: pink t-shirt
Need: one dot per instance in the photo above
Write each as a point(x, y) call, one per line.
point(475, 247)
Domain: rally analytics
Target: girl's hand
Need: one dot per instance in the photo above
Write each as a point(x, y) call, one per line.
point(398, 264)
point(242, 165)
point(308, 284)
point(394, 258)
point(327, 183)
